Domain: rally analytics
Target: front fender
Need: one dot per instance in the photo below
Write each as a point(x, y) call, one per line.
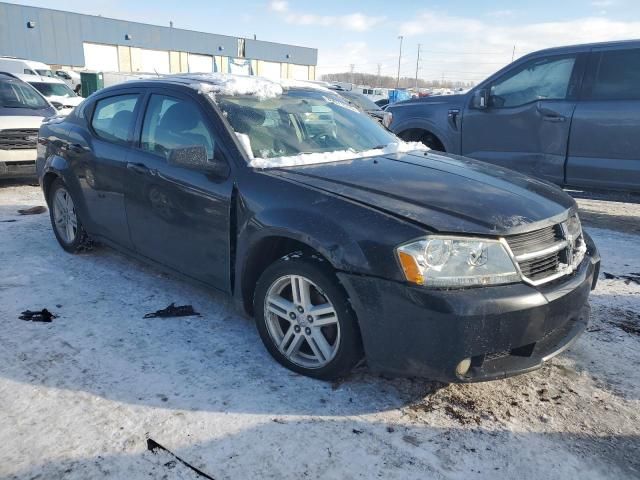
point(318, 231)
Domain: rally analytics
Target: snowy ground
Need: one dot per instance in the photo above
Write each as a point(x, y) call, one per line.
point(80, 396)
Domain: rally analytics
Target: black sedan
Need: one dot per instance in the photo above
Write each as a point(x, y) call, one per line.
point(340, 240)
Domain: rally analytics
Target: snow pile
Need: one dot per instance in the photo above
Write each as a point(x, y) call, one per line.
point(225, 84)
point(335, 156)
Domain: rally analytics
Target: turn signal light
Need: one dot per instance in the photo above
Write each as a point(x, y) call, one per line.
point(410, 267)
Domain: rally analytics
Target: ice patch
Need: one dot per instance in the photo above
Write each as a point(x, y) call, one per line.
point(338, 155)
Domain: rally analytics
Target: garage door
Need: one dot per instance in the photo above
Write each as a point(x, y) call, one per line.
point(300, 72)
point(200, 63)
point(154, 61)
point(103, 58)
point(270, 70)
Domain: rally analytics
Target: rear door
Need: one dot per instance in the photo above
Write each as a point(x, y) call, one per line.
point(604, 150)
point(99, 155)
point(526, 125)
point(179, 216)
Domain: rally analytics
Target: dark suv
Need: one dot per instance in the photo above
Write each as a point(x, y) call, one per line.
point(570, 115)
point(342, 241)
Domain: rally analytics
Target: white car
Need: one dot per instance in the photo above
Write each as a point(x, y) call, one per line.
point(22, 109)
point(56, 91)
point(69, 77)
point(21, 66)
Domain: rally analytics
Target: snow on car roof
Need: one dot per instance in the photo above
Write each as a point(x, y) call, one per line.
point(230, 84)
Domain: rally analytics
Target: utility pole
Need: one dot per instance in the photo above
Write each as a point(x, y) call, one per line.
point(513, 54)
point(379, 82)
point(352, 67)
point(400, 37)
point(418, 64)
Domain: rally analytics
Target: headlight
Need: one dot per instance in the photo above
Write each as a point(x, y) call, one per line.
point(445, 261)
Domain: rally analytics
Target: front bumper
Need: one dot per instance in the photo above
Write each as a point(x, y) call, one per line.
point(505, 330)
point(18, 163)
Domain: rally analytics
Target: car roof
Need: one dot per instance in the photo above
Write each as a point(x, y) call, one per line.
point(585, 47)
point(33, 63)
point(38, 78)
point(224, 83)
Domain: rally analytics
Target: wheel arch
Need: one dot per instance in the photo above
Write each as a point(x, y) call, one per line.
point(419, 135)
point(262, 253)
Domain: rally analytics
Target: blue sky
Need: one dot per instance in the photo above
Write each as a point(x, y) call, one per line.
point(461, 39)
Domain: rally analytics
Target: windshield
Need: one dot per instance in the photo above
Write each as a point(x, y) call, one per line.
point(53, 89)
point(45, 73)
point(301, 121)
point(17, 94)
point(361, 101)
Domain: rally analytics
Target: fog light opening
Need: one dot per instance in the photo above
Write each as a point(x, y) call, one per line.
point(463, 367)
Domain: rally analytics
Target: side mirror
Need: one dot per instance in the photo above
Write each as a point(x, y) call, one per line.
point(57, 105)
point(480, 99)
point(195, 157)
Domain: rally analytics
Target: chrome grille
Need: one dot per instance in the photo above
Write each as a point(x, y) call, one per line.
point(18, 139)
point(548, 253)
point(536, 240)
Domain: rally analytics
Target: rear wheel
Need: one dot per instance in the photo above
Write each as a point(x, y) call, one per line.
point(67, 226)
point(305, 320)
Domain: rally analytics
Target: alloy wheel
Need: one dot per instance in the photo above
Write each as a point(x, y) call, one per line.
point(302, 321)
point(64, 216)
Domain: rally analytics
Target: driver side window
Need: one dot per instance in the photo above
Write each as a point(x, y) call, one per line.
point(171, 123)
point(541, 79)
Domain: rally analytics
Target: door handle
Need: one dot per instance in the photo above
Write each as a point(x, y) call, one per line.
point(138, 168)
point(554, 118)
point(549, 115)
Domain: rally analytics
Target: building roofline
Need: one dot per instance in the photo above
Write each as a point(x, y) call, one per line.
point(153, 25)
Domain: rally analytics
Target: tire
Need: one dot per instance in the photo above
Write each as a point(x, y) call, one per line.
point(75, 239)
point(309, 355)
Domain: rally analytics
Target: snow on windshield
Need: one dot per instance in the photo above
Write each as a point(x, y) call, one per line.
point(335, 156)
point(291, 122)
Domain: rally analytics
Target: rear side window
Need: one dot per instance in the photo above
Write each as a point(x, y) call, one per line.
point(541, 79)
point(113, 117)
point(171, 123)
point(616, 75)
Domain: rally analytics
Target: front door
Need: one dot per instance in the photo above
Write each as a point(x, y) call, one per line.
point(525, 126)
point(604, 150)
point(179, 216)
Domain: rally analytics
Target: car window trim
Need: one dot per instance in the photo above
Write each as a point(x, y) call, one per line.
point(520, 68)
point(92, 107)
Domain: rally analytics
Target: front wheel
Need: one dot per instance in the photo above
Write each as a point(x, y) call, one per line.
point(305, 320)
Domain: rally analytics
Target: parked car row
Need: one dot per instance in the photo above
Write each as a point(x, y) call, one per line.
point(343, 243)
point(569, 115)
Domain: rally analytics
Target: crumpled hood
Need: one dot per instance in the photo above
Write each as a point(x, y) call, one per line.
point(443, 192)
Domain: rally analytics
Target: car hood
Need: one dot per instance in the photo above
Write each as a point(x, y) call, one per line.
point(435, 99)
point(66, 101)
point(20, 121)
point(441, 192)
